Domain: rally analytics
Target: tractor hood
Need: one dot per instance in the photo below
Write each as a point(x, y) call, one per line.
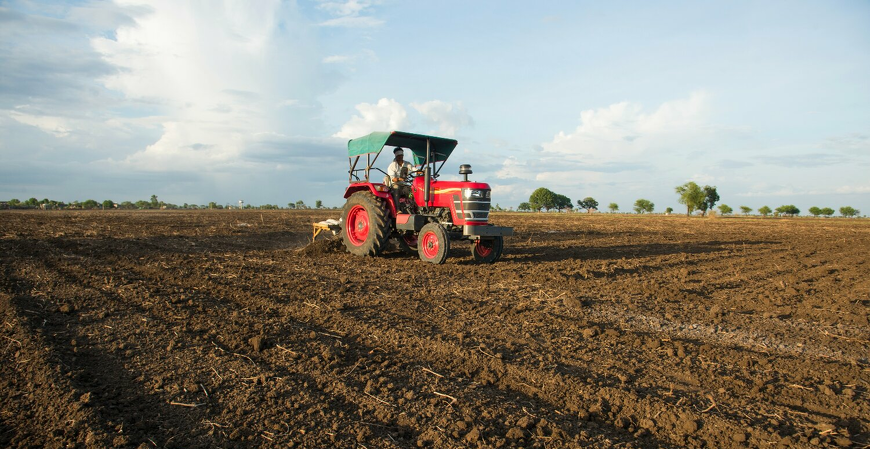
point(375, 142)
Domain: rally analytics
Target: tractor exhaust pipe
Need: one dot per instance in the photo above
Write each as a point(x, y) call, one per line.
point(465, 170)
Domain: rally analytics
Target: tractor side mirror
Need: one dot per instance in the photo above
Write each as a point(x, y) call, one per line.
point(465, 170)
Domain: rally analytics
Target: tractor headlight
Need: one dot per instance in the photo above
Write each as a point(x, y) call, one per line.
point(476, 194)
point(473, 194)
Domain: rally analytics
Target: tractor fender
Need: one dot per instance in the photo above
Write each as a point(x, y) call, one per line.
point(379, 190)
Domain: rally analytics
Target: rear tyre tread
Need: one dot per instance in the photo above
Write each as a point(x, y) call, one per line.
point(379, 228)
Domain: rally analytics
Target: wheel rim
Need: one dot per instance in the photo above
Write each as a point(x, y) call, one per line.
point(430, 245)
point(482, 249)
point(357, 225)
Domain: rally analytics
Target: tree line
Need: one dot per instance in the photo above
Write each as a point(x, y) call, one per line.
point(545, 199)
point(693, 196)
point(153, 203)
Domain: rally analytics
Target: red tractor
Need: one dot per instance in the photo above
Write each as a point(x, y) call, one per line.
point(434, 213)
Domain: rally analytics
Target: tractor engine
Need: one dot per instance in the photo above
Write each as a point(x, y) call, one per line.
point(460, 203)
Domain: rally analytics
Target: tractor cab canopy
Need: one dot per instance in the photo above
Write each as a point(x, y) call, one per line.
point(439, 149)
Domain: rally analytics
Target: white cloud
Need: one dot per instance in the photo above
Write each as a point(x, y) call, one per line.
point(214, 71)
point(349, 14)
point(346, 8)
point(623, 131)
point(612, 143)
point(386, 114)
point(56, 126)
point(853, 189)
point(335, 59)
point(514, 168)
point(353, 22)
point(449, 117)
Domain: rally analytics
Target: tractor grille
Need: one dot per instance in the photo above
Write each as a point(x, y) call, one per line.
point(473, 209)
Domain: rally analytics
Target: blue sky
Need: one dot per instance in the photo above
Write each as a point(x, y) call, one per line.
point(254, 101)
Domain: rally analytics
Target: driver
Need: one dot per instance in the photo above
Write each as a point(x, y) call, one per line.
point(398, 174)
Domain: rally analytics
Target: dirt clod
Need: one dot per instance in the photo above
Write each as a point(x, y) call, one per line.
point(257, 342)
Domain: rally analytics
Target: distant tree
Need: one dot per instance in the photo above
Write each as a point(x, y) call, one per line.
point(692, 195)
point(542, 198)
point(90, 204)
point(301, 205)
point(154, 203)
point(788, 209)
point(613, 207)
point(32, 203)
point(562, 202)
point(764, 211)
point(318, 204)
point(669, 210)
point(815, 211)
point(724, 209)
point(849, 211)
point(14, 202)
point(827, 211)
point(587, 204)
point(643, 206)
point(745, 210)
point(291, 205)
point(524, 207)
point(711, 197)
point(108, 204)
point(126, 205)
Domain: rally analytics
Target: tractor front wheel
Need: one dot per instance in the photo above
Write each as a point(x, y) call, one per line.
point(487, 251)
point(365, 228)
point(433, 243)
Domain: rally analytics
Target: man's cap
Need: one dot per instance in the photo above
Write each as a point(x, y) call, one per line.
point(399, 150)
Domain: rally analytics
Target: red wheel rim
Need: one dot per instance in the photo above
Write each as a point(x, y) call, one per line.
point(481, 249)
point(357, 225)
point(430, 245)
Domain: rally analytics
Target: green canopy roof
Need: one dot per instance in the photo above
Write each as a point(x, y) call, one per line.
point(375, 142)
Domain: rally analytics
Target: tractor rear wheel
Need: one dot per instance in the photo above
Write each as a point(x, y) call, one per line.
point(365, 228)
point(433, 243)
point(487, 251)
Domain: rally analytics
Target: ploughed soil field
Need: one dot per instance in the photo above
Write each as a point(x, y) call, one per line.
point(228, 329)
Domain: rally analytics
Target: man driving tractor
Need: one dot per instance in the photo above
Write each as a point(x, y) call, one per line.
point(397, 173)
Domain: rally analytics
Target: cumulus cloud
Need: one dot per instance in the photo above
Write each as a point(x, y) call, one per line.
point(448, 117)
point(214, 78)
point(386, 114)
point(623, 131)
point(389, 114)
point(614, 140)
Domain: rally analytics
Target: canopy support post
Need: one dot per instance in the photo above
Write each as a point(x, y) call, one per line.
point(428, 180)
